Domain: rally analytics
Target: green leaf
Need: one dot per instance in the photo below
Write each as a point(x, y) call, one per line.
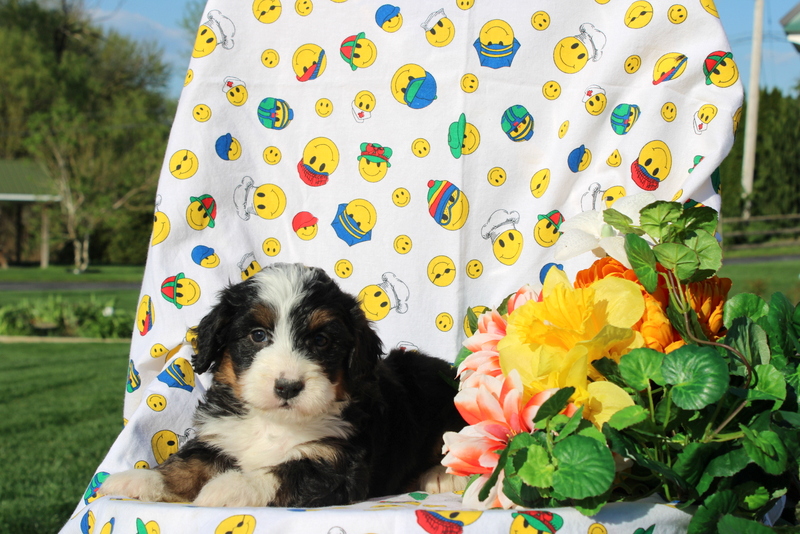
point(618, 220)
point(699, 376)
point(766, 449)
point(724, 465)
point(700, 218)
point(462, 355)
point(628, 416)
point(655, 218)
point(624, 445)
point(643, 261)
point(590, 431)
point(571, 426)
point(731, 523)
point(708, 514)
point(753, 495)
point(640, 366)
point(472, 320)
point(538, 469)
point(750, 340)
point(693, 459)
point(780, 318)
point(770, 382)
point(708, 251)
point(585, 467)
point(591, 505)
point(609, 369)
point(743, 305)
point(554, 405)
point(791, 418)
point(678, 258)
point(492, 481)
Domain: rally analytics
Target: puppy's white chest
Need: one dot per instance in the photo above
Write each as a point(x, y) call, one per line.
point(257, 442)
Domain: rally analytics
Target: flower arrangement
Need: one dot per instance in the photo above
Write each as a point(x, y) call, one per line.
point(639, 378)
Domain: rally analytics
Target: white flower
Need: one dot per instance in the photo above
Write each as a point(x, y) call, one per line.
point(588, 231)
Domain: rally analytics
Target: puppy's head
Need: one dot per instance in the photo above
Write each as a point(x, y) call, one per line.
point(288, 341)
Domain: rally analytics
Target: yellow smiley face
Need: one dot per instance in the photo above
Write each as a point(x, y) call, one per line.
point(252, 268)
point(267, 11)
point(632, 64)
point(271, 247)
point(141, 464)
point(343, 268)
point(639, 15)
point(540, 21)
point(615, 159)
point(307, 233)
point(303, 7)
point(307, 58)
point(365, 100)
point(497, 176)
point(272, 155)
point(545, 232)
point(164, 445)
point(161, 228)
point(441, 33)
point(157, 403)
point(372, 171)
point(586, 159)
point(596, 104)
point(478, 311)
point(189, 77)
point(322, 155)
point(204, 42)
point(210, 261)
point(669, 67)
point(444, 322)
point(420, 148)
point(158, 351)
point(365, 54)
point(737, 117)
point(539, 183)
point(201, 113)
point(669, 112)
point(677, 14)
point(183, 164)
point(709, 6)
point(401, 197)
point(707, 113)
point(474, 268)
point(187, 292)
point(507, 248)
point(363, 214)
point(237, 524)
point(441, 271)
point(570, 55)
point(469, 83)
point(563, 129)
point(374, 302)
point(401, 79)
point(612, 194)
point(472, 138)
point(551, 90)
point(323, 107)
point(145, 315)
point(656, 158)
point(393, 24)
point(465, 4)
point(235, 149)
point(456, 212)
point(724, 74)
point(270, 58)
point(197, 216)
point(678, 194)
point(269, 201)
point(496, 32)
point(402, 244)
point(237, 95)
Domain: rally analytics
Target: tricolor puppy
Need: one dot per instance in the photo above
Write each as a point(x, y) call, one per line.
point(303, 411)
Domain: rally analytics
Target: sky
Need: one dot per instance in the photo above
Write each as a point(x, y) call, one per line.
point(158, 20)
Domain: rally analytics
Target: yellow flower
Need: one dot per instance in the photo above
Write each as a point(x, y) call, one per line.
point(552, 343)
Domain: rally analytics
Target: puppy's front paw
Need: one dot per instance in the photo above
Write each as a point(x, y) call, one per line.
point(436, 480)
point(142, 484)
point(236, 489)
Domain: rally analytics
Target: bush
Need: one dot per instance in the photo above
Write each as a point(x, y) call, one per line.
point(56, 317)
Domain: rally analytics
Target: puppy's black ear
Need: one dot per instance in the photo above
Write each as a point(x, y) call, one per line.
point(211, 336)
point(367, 350)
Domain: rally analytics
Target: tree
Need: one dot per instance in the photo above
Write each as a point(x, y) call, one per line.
point(101, 128)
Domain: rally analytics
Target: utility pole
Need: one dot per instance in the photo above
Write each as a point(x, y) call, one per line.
point(751, 120)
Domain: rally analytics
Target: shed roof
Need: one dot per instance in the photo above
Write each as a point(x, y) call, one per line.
point(791, 25)
point(22, 180)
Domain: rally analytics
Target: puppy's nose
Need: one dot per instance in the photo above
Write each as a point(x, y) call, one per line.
point(287, 389)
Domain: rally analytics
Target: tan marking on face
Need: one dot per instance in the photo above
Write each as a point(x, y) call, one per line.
point(264, 315)
point(225, 374)
point(319, 318)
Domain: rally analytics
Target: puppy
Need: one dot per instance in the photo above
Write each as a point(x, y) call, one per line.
point(303, 411)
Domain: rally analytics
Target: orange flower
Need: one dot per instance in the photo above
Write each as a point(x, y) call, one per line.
point(654, 325)
point(707, 298)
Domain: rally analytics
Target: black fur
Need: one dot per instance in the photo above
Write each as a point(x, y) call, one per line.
point(399, 406)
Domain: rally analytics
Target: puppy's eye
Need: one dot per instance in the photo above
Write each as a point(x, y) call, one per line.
point(259, 335)
point(321, 341)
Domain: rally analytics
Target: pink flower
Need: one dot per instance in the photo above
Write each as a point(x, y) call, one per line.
point(519, 298)
point(496, 498)
point(491, 329)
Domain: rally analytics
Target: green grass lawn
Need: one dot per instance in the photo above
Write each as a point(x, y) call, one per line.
point(63, 273)
point(124, 299)
point(60, 410)
point(765, 278)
